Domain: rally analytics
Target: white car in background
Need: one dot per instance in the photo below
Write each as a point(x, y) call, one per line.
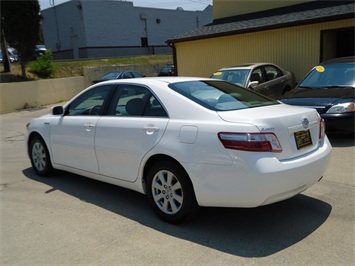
point(184, 142)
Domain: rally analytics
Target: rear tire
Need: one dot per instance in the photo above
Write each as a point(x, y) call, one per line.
point(170, 192)
point(40, 158)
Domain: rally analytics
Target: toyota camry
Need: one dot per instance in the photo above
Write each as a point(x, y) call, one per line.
point(184, 142)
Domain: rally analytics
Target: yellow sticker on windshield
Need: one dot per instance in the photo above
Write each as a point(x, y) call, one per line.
point(217, 73)
point(320, 69)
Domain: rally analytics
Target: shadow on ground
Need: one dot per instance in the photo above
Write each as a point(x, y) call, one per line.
point(257, 232)
point(347, 140)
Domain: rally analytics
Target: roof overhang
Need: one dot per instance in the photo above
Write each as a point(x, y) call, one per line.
point(248, 25)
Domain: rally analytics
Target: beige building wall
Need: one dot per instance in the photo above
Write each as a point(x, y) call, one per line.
point(295, 48)
point(229, 8)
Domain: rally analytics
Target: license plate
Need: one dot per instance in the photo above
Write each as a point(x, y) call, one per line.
point(303, 139)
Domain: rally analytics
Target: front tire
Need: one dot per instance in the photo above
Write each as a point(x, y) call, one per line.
point(40, 158)
point(170, 192)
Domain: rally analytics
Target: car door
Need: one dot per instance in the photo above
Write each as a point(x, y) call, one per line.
point(258, 75)
point(72, 135)
point(135, 124)
point(276, 81)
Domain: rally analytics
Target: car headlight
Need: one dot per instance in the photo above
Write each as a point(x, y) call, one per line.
point(342, 108)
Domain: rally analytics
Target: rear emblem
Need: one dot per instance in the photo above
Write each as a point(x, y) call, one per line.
point(305, 123)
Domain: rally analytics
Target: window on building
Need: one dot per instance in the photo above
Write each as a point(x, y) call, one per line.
point(144, 42)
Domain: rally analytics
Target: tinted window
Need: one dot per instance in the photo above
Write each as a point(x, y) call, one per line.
point(111, 75)
point(220, 96)
point(89, 103)
point(272, 72)
point(257, 75)
point(132, 100)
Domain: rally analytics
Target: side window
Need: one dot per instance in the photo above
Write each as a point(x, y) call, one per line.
point(131, 100)
point(136, 75)
point(89, 103)
point(257, 75)
point(273, 72)
point(127, 75)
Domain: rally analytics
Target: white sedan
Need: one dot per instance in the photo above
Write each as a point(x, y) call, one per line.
point(184, 142)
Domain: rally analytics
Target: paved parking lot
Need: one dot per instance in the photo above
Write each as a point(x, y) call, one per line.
point(67, 219)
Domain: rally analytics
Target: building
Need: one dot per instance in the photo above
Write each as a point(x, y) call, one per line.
point(109, 28)
point(293, 34)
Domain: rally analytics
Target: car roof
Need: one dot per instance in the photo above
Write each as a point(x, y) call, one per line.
point(339, 60)
point(155, 80)
point(246, 66)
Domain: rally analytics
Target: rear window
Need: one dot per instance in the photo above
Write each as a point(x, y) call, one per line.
point(220, 95)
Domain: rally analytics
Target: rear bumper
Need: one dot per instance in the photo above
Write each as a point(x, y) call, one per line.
point(256, 179)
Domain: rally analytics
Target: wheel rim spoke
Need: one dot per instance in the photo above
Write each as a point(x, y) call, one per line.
point(39, 156)
point(167, 192)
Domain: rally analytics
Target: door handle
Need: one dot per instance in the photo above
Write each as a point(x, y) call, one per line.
point(89, 126)
point(150, 129)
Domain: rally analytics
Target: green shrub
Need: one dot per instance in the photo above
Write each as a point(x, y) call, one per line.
point(43, 66)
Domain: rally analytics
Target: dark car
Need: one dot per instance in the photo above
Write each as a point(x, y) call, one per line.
point(126, 74)
point(39, 49)
point(266, 78)
point(329, 88)
point(168, 70)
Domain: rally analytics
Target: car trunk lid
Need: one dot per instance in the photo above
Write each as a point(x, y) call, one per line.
point(296, 128)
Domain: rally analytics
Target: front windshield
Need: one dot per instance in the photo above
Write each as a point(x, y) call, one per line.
point(236, 76)
point(336, 75)
point(221, 95)
point(111, 75)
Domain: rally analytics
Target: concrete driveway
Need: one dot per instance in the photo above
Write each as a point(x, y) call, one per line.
point(68, 219)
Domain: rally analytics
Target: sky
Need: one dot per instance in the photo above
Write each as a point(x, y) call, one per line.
point(165, 4)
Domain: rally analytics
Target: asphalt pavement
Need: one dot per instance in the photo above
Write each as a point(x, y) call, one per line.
point(67, 219)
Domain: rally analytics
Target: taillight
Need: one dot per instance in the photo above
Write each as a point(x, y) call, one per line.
point(260, 142)
point(321, 129)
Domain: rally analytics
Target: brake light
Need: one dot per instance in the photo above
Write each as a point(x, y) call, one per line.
point(259, 142)
point(321, 129)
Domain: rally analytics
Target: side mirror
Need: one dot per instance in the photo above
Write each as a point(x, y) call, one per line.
point(57, 110)
point(253, 84)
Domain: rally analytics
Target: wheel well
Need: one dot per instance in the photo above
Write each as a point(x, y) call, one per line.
point(30, 137)
point(153, 160)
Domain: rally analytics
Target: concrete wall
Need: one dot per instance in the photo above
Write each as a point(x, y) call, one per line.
point(19, 95)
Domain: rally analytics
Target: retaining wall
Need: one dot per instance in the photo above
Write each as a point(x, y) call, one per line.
point(19, 95)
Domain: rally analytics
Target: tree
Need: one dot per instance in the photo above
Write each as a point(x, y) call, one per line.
point(20, 21)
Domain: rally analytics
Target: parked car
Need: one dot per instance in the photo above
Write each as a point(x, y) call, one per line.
point(125, 74)
point(168, 70)
point(330, 89)
point(266, 78)
point(11, 57)
point(13, 54)
point(40, 48)
point(184, 142)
